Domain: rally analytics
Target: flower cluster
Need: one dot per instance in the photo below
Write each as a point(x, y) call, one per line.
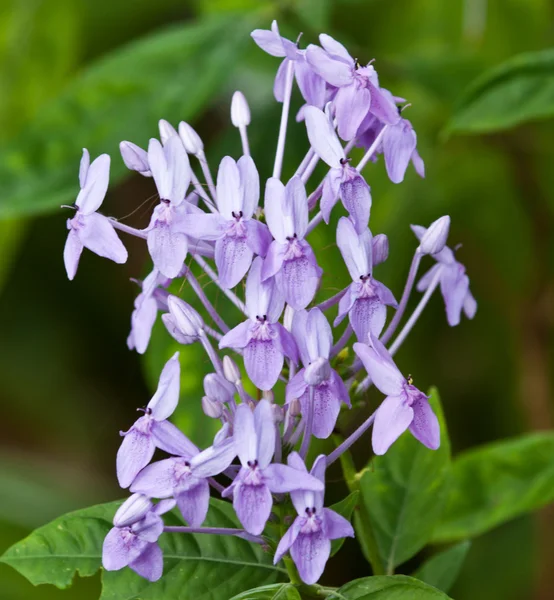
point(283, 336)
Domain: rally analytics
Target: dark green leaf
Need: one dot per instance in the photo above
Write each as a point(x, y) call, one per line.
point(203, 567)
point(172, 74)
point(404, 492)
point(442, 569)
point(345, 508)
point(520, 90)
point(497, 482)
point(395, 587)
point(279, 591)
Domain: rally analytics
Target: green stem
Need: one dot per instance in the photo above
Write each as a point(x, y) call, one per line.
point(292, 571)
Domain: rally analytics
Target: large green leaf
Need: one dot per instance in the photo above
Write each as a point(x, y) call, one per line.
point(520, 90)
point(204, 567)
point(442, 569)
point(497, 482)
point(172, 74)
point(403, 493)
point(279, 591)
point(395, 587)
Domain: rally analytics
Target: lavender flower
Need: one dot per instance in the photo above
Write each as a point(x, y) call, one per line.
point(290, 258)
point(404, 407)
point(238, 235)
point(399, 148)
point(255, 444)
point(309, 537)
point(133, 539)
point(454, 282)
point(342, 181)
point(314, 339)
point(265, 342)
point(366, 299)
point(88, 229)
point(152, 430)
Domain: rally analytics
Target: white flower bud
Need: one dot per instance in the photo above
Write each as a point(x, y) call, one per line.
point(166, 130)
point(175, 332)
point(191, 140)
point(230, 370)
point(240, 111)
point(186, 319)
point(212, 408)
point(132, 510)
point(135, 158)
point(434, 239)
point(317, 372)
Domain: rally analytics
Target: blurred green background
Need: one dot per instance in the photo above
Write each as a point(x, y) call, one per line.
point(91, 73)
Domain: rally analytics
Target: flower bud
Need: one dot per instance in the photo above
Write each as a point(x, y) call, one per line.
point(278, 413)
point(218, 388)
point(295, 408)
point(434, 239)
point(317, 372)
point(186, 319)
point(230, 370)
point(175, 332)
point(132, 510)
point(380, 248)
point(240, 111)
point(166, 130)
point(191, 140)
point(212, 408)
point(135, 158)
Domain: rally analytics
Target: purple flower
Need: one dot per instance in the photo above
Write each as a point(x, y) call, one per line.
point(238, 235)
point(133, 539)
point(453, 281)
point(358, 87)
point(399, 147)
point(342, 180)
point(290, 259)
point(309, 537)
point(185, 478)
point(254, 435)
point(152, 430)
point(167, 242)
point(88, 229)
point(404, 407)
point(314, 339)
point(311, 85)
point(264, 341)
point(366, 300)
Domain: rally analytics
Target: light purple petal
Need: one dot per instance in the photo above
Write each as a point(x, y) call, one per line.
point(296, 387)
point(322, 136)
point(274, 204)
point(263, 362)
point(282, 478)
point(380, 248)
point(156, 480)
point(318, 471)
point(296, 206)
point(300, 278)
point(98, 235)
point(194, 503)
point(286, 342)
point(354, 248)
point(325, 410)
point(258, 237)
point(368, 315)
point(165, 399)
point(352, 105)
point(116, 554)
point(229, 191)
point(384, 294)
point(287, 540)
point(150, 528)
point(233, 258)
point(381, 368)
point(383, 105)
point(262, 298)
point(319, 335)
point(311, 85)
point(426, 279)
point(347, 302)
point(132, 510)
point(245, 434)
point(340, 389)
point(274, 259)
point(335, 72)
point(72, 253)
point(171, 439)
point(142, 322)
point(238, 337)
point(164, 506)
point(265, 433)
point(336, 526)
point(252, 503)
point(178, 167)
point(97, 179)
point(135, 452)
point(331, 46)
point(399, 142)
point(204, 227)
point(135, 158)
point(149, 564)
point(470, 305)
point(418, 163)
point(280, 81)
point(167, 249)
point(392, 419)
point(214, 460)
point(356, 197)
point(250, 181)
point(425, 425)
point(310, 553)
point(330, 193)
point(83, 168)
point(269, 42)
point(454, 288)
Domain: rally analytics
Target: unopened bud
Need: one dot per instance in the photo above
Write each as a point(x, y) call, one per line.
point(175, 332)
point(135, 158)
point(166, 130)
point(278, 413)
point(230, 370)
point(212, 408)
point(218, 388)
point(295, 408)
point(191, 140)
point(132, 510)
point(434, 239)
point(186, 319)
point(380, 248)
point(317, 372)
point(240, 111)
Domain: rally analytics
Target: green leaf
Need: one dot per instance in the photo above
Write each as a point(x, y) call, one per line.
point(498, 482)
point(344, 508)
point(172, 74)
point(404, 491)
point(279, 591)
point(520, 90)
point(203, 567)
point(442, 569)
point(395, 587)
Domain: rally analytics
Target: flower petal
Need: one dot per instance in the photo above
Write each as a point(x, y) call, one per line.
point(274, 206)
point(250, 181)
point(335, 72)
point(282, 478)
point(214, 460)
point(380, 367)
point(319, 335)
point(72, 253)
point(263, 362)
point(246, 444)
point(355, 249)
point(425, 425)
point(84, 167)
point(286, 342)
point(368, 315)
point(165, 399)
point(142, 322)
point(383, 105)
point(311, 85)
point(97, 179)
point(135, 453)
point(325, 410)
point(323, 138)
point(296, 205)
point(399, 141)
point(203, 227)
point(274, 259)
point(229, 191)
point(156, 480)
point(454, 289)
point(258, 237)
point(310, 553)
point(352, 105)
point(194, 503)
point(392, 419)
point(265, 433)
point(336, 526)
point(171, 439)
point(287, 540)
point(356, 198)
point(252, 503)
point(299, 279)
point(116, 554)
point(238, 337)
point(150, 563)
point(233, 258)
point(98, 235)
point(331, 192)
point(167, 249)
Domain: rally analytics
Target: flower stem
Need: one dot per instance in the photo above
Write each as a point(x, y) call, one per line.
point(342, 341)
point(353, 437)
point(212, 275)
point(212, 354)
point(305, 446)
point(284, 120)
point(195, 285)
point(244, 140)
point(323, 306)
point(372, 149)
point(207, 174)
